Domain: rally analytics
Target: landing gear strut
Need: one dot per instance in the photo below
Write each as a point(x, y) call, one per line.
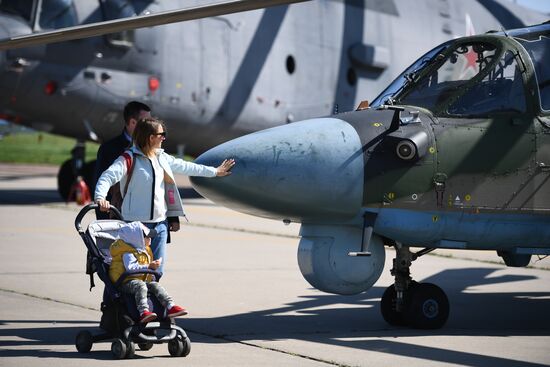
point(408, 303)
point(74, 167)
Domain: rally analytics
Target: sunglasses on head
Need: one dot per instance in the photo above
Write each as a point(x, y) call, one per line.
point(162, 134)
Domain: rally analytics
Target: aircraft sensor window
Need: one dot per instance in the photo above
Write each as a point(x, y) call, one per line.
point(539, 51)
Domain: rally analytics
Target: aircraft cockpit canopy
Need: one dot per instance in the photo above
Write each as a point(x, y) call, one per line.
point(538, 48)
point(473, 77)
point(51, 14)
point(43, 15)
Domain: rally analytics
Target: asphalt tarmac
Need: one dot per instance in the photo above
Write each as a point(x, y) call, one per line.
point(248, 303)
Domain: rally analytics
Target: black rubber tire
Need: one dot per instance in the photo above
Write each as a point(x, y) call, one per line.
point(175, 347)
point(88, 173)
point(387, 307)
point(186, 347)
point(65, 179)
point(118, 348)
point(427, 307)
point(130, 350)
point(145, 346)
point(84, 341)
point(180, 346)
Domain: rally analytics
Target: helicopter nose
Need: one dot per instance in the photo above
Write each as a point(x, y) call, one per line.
point(303, 171)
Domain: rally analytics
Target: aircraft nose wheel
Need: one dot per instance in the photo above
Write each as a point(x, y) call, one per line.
point(428, 307)
point(388, 307)
point(421, 305)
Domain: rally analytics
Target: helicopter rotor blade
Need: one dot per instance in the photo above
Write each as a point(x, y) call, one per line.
point(142, 21)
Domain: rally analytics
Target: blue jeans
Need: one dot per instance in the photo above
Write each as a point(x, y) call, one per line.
point(158, 243)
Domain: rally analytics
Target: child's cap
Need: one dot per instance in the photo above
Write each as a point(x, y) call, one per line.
point(151, 233)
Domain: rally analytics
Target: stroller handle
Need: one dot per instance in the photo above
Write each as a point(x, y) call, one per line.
point(86, 209)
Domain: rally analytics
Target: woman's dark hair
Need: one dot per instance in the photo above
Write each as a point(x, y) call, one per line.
point(144, 129)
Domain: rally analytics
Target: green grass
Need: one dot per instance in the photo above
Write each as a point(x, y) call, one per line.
point(41, 148)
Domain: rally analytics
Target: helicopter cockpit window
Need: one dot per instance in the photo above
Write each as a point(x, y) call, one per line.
point(501, 90)
point(56, 14)
point(22, 8)
point(403, 80)
point(51, 14)
point(539, 51)
point(115, 9)
point(454, 72)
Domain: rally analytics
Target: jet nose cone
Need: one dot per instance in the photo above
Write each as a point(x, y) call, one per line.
point(307, 170)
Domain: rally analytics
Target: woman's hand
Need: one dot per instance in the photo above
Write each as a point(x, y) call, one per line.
point(104, 205)
point(225, 168)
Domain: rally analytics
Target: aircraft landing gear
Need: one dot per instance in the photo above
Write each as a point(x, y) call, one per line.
point(408, 303)
point(72, 168)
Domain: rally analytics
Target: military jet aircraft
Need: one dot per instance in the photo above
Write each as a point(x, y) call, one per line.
point(219, 77)
point(454, 153)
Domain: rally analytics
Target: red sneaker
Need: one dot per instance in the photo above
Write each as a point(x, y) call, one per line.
point(176, 311)
point(147, 316)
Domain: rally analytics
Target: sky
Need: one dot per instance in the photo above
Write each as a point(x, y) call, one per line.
point(539, 5)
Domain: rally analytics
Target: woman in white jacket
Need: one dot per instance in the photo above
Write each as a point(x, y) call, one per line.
point(151, 195)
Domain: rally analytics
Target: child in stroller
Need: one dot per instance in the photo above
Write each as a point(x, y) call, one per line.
point(120, 319)
point(132, 252)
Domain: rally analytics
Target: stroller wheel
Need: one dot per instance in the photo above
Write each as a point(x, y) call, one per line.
point(179, 346)
point(130, 350)
point(145, 346)
point(84, 341)
point(118, 348)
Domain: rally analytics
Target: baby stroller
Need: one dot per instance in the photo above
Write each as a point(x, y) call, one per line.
point(120, 318)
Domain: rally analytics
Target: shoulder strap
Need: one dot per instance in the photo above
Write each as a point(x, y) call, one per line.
point(128, 158)
point(129, 168)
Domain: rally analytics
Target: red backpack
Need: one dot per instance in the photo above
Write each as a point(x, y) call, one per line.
point(117, 196)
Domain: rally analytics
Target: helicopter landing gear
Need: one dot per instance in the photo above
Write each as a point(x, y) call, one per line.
point(408, 303)
point(72, 168)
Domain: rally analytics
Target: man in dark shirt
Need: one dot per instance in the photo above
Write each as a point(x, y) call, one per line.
point(112, 149)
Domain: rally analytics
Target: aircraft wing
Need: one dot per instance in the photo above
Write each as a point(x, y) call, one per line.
point(118, 25)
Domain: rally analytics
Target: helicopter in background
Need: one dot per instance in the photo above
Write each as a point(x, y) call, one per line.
point(454, 153)
point(217, 75)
